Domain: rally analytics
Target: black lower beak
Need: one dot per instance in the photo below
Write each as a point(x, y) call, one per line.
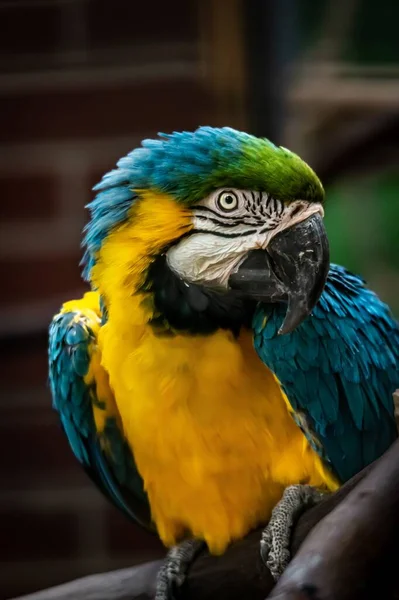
point(293, 269)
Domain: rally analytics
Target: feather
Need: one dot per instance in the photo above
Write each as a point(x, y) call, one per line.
point(188, 166)
point(71, 337)
point(345, 388)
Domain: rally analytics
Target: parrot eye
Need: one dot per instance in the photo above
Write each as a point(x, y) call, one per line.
point(227, 201)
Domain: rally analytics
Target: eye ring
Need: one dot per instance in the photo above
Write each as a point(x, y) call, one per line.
point(227, 201)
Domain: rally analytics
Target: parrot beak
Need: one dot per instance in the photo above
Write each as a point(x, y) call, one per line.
point(293, 269)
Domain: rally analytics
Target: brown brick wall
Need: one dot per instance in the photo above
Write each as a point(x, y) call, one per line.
point(127, 108)
point(56, 140)
point(34, 196)
point(43, 535)
point(48, 275)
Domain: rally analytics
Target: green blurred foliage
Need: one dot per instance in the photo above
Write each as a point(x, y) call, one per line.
point(373, 38)
point(311, 14)
point(362, 219)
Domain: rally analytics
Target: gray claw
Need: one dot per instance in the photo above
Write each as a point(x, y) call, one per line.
point(173, 572)
point(276, 537)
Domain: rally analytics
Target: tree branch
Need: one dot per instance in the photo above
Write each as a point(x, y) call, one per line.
point(135, 583)
point(350, 554)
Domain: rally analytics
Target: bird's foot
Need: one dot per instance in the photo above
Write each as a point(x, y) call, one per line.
point(276, 537)
point(173, 572)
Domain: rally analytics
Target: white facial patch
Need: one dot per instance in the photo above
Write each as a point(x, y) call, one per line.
point(227, 225)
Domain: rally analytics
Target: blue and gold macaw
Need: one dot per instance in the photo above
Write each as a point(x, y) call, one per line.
point(219, 358)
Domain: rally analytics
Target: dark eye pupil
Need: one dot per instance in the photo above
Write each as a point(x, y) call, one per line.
point(227, 201)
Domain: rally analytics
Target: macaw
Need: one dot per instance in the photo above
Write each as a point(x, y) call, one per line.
point(219, 359)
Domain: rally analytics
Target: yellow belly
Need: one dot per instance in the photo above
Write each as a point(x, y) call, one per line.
point(210, 430)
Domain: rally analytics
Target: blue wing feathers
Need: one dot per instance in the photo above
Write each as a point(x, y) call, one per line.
point(70, 340)
point(63, 378)
point(340, 368)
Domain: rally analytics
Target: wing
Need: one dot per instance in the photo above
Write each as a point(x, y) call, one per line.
point(87, 410)
point(339, 370)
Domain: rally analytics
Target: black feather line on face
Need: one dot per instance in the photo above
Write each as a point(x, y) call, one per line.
point(224, 234)
point(206, 209)
point(192, 309)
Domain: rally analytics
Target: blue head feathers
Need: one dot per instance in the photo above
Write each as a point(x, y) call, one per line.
point(188, 166)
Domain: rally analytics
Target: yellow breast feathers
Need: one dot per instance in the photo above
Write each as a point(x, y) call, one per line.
point(208, 424)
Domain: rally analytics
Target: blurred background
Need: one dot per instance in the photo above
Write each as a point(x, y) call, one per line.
point(81, 83)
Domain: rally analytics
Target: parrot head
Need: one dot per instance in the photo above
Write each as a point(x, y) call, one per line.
point(210, 218)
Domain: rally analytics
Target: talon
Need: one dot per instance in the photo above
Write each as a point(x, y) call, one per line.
point(276, 537)
point(174, 571)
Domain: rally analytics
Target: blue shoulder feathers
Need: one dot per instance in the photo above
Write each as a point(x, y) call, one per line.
point(114, 472)
point(339, 370)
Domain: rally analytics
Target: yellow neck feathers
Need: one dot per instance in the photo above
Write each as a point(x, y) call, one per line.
point(155, 220)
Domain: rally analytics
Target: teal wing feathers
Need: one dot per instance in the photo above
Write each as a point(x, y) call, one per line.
point(71, 340)
point(339, 370)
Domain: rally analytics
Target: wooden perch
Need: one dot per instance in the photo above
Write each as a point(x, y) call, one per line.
point(134, 583)
point(350, 554)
